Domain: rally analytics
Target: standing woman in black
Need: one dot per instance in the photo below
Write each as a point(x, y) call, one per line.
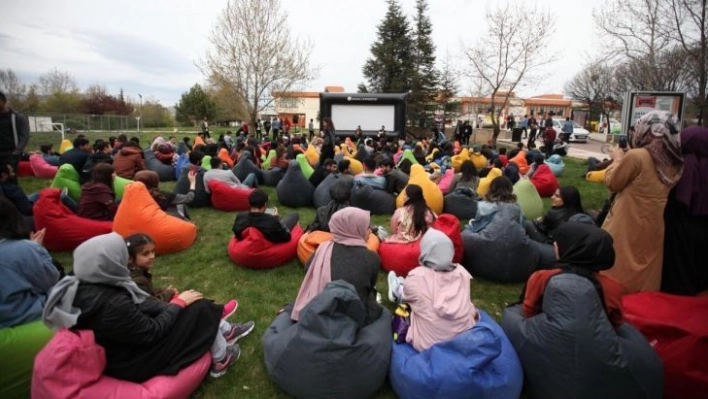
point(327, 151)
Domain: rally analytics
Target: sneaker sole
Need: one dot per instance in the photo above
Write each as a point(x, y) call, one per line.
point(391, 297)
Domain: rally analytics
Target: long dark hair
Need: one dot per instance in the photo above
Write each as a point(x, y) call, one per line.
point(103, 173)
point(420, 208)
point(12, 226)
point(327, 123)
point(571, 199)
point(468, 170)
point(501, 190)
point(135, 242)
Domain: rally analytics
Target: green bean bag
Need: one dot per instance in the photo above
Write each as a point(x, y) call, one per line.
point(68, 178)
point(407, 154)
point(528, 198)
point(266, 162)
point(19, 345)
point(206, 162)
point(305, 166)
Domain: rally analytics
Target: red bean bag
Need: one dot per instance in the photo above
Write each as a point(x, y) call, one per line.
point(24, 169)
point(139, 213)
point(402, 258)
point(65, 230)
point(255, 252)
point(545, 181)
point(71, 366)
point(227, 198)
point(677, 328)
point(308, 243)
point(41, 168)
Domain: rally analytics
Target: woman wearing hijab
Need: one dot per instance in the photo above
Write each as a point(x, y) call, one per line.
point(565, 203)
point(585, 250)
point(438, 292)
point(413, 219)
point(142, 336)
point(641, 179)
point(345, 257)
point(339, 192)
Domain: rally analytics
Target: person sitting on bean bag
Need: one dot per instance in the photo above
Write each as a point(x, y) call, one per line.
point(98, 200)
point(49, 155)
point(101, 154)
point(172, 203)
point(565, 203)
point(78, 155)
point(273, 228)
point(411, 221)
point(142, 337)
point(345, 257)
point(322, 171)
point(369, 177)
point(396, 180)
point(129, 160)
point(339, 192)
point(438, 292)
point(226, 176)
point(27, 273)
point(467, 177)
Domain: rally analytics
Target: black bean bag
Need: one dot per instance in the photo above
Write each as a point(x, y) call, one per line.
point(378, 202)
point(461, 202)
point(294, 190)
point(202, 199)
point(272, 177)
point(246, 166)
point(571, 350)
point(166, 172)
point(321, 196)
point(329, 353)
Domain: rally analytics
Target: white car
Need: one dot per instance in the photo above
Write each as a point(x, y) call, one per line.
point(579, 133)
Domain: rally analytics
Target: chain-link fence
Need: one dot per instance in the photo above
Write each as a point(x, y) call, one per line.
point(82, 122)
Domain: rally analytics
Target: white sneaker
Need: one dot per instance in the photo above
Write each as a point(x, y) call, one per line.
point(393, 284)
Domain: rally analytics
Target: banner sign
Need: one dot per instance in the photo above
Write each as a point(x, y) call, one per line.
point(638, 103)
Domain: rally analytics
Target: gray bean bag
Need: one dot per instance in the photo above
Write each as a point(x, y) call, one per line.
point(378, 202)
point(246, 166)
point(294, 190)
point(329, 353)
point(272, 177)
point(571, 350)
point(496, 245)
point(202, 199)
point(321, 196)
point(461, 202)
point(166, 172)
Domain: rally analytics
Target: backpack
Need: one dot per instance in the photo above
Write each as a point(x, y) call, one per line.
point(550, 134)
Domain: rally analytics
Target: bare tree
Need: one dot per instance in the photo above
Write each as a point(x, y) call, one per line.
point(13, 88)
point(595, 86)
point(57, 82)
point(255, 53)
point(674, 75)
point(505, 57)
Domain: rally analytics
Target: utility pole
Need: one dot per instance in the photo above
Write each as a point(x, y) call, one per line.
point(140, 112)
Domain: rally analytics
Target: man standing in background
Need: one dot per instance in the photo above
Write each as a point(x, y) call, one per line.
point(14, 135)
point(205, 128)
point(311, 127)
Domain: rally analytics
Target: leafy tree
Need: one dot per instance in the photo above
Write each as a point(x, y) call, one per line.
point(153, 115)
point(425, 77)
point(362, 88)
point(447, 89)
point(60, 91)
point(12, 87)
point(229, 106)
point(195, 105)
point(97, 101)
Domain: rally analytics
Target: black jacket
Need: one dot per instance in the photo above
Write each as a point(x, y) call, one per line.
point(396, 181)
point(318, 175)
point(7, 136)
point(269, 226)
point(76, 157)
point(93, 160)
point(17, 196)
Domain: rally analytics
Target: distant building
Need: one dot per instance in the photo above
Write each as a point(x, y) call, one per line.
point(299, 106)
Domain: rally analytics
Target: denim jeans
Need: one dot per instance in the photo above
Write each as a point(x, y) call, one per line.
point(65, 199)
point(250, 180)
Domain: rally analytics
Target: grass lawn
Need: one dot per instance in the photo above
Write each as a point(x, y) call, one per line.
point(206, 267)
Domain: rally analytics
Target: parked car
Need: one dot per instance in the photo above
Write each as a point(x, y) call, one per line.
point(579, 135)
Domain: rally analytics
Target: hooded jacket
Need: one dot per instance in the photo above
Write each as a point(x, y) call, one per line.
point(129, 161)
point(97, 202)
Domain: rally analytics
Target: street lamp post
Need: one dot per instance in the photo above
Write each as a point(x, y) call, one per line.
point(140, 112)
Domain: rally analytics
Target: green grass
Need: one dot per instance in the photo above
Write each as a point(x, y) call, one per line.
point(206, 267)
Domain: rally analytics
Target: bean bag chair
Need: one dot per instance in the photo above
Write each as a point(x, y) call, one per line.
point(407, 154)
point(255, 252)
point(378, 202)
point(511, 170)
point(545, 182)
point(496, 245)
point(313, 157)
point(555, 162)
point(457, 160)
point(479, 160)
point(294, 190)
point(41, 168)
point(272, 177)
point(72, 364)
point(528, 198)
point(225, 158)
point(356, 166)
point(24, 169)
point(321, 196)
point(486, 181)
point(206, 162)
point(227, 198)
point(65, 146)
point(246, 166)
point(461, 203)
point(19, 345)
point(677, 328)
point(67, 177)
point(446, 181)
point(202, 198)
point(521, 162)
point(329, 352)
point(268, 159)
point(165, 172)
point(402, 258)
point(139, 213)
point(596, 176)
point(397, 156)
point(182, 161)
point(571, 350)
point(310, 241)
point(65, 230)
point(305, 166)
point(479, 363)
point(433, 155)
point(431, 191)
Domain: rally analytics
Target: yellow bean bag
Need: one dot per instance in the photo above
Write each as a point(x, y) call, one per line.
point(486, 181)
point(139, 213)
point(348, 152)
point(479, 160)
point(313, 157)
point(432, 155)
point(356, 166)
point(310, 241)
point(65, 146)
point(457, 160)
point(432, 193)
point(596, 176)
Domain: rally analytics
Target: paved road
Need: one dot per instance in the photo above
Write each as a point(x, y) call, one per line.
point(581, 150)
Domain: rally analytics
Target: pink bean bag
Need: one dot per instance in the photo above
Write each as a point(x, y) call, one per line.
point(677, 328)
point(65, 230)
point(402, 258)
point(71, 366)
point(545, 181)
point(227, 198)
point(24, 169)
point(255, 252)
point(446, 181)
point(42, 168)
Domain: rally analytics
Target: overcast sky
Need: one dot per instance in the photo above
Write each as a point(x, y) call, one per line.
point(150, 46)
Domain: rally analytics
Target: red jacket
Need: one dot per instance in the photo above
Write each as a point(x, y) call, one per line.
point(97, 202)
point(128, 161)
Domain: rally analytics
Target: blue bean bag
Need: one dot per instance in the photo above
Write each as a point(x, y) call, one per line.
point(555, 162)
point(166, 172)
point(479, 363)
point(294, 190)
point(182, 161)
point(378, 202)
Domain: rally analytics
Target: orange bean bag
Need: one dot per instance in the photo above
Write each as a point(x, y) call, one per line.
point(255, 252)
point(226, 158)
point(521, 162)
point(432, 193)
point(227, 198)
point(402, 258)
point(310, 241)
point(65, 230)
point(139, 213)
point(42, 168)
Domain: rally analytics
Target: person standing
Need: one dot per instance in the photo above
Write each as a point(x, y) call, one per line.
point(458, 131)
point(311, 127)
point(549, 137)
point(525, 125)
point(567, 130)
point(533, 127)
point(205, 128)
point(14, 134)
point(266, 126)
point(330, 139)
point(259, 125)
point(466, 133)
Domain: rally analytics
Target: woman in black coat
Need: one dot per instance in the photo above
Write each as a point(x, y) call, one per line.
point(565, 203)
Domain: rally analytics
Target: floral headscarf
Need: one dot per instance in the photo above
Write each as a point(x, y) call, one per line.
point(658, 133)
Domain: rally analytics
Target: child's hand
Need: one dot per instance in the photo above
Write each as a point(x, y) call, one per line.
point(190, 296)
point(38, 236)
point(174, 290)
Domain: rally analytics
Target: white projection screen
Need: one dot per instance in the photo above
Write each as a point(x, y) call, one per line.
point(370, 117)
